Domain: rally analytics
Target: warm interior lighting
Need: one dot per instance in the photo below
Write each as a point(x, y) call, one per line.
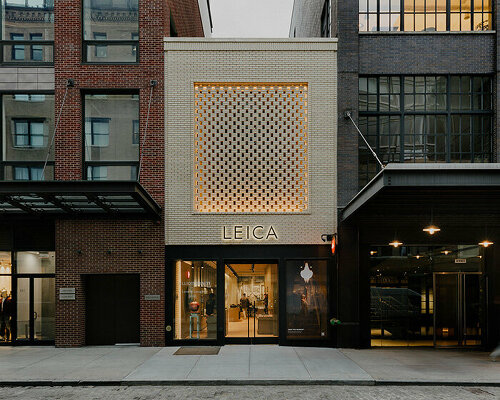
point(446, 252)
point(395, 243)
point(418, 256)
point(306, 273)
point(431, 229)
point(485, 243)
point(373, 252)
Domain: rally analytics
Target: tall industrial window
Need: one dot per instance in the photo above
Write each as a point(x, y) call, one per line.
point(326, 19)
point(425, 15)
point(110, 152)
point(111, 31)
point(28, 126)
point(424, 119)
point(27, 31)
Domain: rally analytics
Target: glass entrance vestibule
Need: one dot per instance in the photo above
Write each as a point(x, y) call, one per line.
point(27, 297)
point(252, 301)
point(427, 296)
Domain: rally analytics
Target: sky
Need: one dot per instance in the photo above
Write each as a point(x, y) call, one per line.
point(251, 18)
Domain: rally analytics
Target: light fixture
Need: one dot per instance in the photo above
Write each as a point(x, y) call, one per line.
point(431, 229)
point(446, 252)
point(418, 256)
point(485, 243)
point(306, 273)
point(373, 252)
point(395, 243)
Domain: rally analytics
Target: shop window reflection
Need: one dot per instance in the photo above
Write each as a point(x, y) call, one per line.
point(307, 299)
point(195, 300)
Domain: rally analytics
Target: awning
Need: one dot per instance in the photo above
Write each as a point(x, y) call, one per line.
point(76, 199)
point(409, 193)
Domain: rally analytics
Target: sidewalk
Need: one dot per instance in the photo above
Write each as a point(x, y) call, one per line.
point(265, 364)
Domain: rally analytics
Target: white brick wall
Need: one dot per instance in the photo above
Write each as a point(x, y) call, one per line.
point(189, 61)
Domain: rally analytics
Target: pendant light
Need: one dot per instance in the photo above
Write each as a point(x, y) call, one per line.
point(395, 243)
point(485, 243)
point(431, 229)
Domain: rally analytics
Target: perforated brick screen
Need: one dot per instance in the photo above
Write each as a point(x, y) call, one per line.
point(250, 148)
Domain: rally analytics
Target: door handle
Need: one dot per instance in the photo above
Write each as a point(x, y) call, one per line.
point(35, 315)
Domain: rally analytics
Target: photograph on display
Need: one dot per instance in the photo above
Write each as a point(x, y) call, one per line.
point(307, 299)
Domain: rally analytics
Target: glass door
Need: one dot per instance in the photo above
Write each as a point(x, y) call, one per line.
point(458, 309)
point(251, 301)
point(35, 309)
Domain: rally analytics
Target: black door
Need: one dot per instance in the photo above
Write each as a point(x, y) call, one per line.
point(112, 309)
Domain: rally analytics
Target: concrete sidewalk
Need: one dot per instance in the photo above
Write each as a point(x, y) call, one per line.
point(264, 364)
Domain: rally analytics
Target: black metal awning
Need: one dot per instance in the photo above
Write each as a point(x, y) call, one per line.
point(76, 199)
point(406, 193)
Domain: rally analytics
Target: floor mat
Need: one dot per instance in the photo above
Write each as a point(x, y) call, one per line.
point(198, 351)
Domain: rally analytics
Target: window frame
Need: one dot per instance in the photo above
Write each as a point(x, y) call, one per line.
point(26, 44)
point(86, 44)
point(448, 113)
point(448, 13)
point(104, 163)
point(29, 121)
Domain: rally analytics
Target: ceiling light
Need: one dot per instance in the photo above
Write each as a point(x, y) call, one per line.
point(446, 252)
point(418, 256)
point(485, 243)
point(373, 252)
point(395, 243)
point(431, 229)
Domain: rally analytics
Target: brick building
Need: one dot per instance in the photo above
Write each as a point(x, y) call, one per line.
point(77, 251)
point(420, 80)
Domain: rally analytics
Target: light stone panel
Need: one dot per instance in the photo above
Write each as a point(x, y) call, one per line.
point(309, 64)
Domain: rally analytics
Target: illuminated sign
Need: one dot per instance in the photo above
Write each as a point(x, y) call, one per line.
point(247, 232)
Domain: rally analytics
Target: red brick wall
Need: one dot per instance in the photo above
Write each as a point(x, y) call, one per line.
point(186, 14)
point(123, 238)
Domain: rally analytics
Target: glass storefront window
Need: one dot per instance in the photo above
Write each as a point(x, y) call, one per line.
point(36, 262)
point(195, 299)
point(111, 121)
point(307, 299)
point(415, 295)
point(6, 301)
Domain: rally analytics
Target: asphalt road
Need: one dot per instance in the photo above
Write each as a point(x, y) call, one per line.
point(250, 392)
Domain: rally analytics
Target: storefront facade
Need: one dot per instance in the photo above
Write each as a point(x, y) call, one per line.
point(250, 191)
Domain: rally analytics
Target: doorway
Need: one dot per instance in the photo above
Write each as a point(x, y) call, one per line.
point(112, 309)
point(35, 322)
point(458, 309)
point(251, 303)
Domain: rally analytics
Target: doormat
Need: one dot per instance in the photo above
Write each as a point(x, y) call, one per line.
point(198, 351)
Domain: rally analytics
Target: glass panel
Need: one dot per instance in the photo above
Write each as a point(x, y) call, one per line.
point(109, 119)
point(447, 329)
point(472, 309)
point(26, 173)
point(23, 309)
point(307, 299)
point(118, 20)
point(36, 262)
point(251, 300)
point(28, 127)
point(44, 305)
point(28, 54)
point(195, 300)
point(112, 173)
point(111, 53)
point(35, 17)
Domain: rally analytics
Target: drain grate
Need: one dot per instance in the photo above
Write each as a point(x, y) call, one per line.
point(198, 351)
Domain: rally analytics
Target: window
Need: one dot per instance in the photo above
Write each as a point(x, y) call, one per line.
point(116, 24)
point(425, 15)
point(28, 121)
point(27, 21)
point(98, 131)
point(28, 173)
point(28, 133)
point(424, 119)
point(135, 131)
point(110, 151)
point(326, 19)
point(101, 51)
point(17, 50)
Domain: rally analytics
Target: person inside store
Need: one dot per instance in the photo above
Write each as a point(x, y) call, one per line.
point(244, 303)
point(6, 311)
point(266, 304)
point(210, 304)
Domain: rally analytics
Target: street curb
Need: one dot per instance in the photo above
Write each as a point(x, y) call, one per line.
point(252, 382)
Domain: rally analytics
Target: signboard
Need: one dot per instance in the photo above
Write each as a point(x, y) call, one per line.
point(246, 232)
point(67, 294)
point(152, 297)
point(460, 261)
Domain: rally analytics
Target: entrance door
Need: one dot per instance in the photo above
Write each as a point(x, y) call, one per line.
point(251, 302)
point(457, 309)
point(35, 309)
point(112, 309)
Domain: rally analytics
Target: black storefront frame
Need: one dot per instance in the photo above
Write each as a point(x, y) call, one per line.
point(278, 254)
